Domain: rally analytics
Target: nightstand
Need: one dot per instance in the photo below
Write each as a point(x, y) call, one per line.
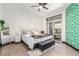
point(17, 38)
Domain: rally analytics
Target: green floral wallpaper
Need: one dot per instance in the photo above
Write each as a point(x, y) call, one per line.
point(72, 25)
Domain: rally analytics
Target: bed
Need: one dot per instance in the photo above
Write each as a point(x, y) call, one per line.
point(34, 39)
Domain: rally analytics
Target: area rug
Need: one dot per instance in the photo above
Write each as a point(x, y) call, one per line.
point(37, 52)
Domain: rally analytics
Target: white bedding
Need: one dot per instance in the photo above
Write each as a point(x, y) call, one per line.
point(30, 41)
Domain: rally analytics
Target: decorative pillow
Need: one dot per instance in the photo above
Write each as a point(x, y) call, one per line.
point(5, 32)
point(29, 33)
point(36, 33)
point(24, 32)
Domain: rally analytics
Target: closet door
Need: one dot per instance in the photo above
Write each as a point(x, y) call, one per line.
point(72, 25)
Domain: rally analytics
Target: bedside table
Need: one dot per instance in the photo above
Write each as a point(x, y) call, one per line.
point(17, 38)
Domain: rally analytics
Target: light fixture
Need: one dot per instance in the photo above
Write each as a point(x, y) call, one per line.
point(40, 6)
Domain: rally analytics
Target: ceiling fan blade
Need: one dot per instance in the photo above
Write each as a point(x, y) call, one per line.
point(42, 4)
point(45, 7)
point(34, 6)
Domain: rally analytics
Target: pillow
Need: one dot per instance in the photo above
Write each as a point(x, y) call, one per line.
point(36, 33)
point(5, 32)
point(24, 32)
point(29, 33)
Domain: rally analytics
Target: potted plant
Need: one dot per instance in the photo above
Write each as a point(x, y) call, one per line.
point(2, 22)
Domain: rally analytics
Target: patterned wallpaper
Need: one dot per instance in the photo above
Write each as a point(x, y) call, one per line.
point(72, 25)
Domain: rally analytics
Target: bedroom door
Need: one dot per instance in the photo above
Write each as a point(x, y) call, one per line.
point(50, 27)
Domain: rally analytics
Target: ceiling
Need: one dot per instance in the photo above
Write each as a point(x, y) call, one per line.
point(51, 7)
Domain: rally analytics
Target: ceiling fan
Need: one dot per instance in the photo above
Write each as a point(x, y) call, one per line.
point(41, 5)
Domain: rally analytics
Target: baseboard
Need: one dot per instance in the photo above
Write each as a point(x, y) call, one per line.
point(1, 45)
point(17, 42)
point(71, 46)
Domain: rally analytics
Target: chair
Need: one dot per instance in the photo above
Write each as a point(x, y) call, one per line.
point(5, 36)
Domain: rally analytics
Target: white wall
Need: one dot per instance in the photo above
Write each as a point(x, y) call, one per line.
point(64, 24)
point(63, 27)
point(19, 17)
point(0, 11)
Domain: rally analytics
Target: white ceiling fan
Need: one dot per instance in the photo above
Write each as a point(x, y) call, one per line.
point(41, 5)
